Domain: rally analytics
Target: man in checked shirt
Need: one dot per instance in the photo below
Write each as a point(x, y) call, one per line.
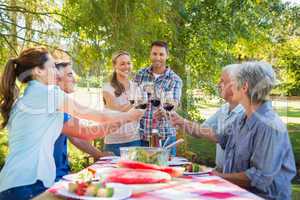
point(166, 80)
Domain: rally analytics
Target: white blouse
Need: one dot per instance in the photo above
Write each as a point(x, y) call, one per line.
point(128, 132)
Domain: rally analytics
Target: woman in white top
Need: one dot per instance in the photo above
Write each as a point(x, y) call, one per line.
point(115, 94)
point(34, 121)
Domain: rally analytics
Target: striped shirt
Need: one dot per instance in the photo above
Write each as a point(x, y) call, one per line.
point(169, 81)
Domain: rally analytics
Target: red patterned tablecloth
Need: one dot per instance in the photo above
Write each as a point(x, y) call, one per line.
point(186, 187)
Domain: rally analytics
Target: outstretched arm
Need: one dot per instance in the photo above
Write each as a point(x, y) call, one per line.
point(75, 128)
point(74, 108)
point(193, 128)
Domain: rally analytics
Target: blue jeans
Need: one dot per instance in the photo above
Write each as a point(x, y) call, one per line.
point(25, 192)
point(171, 140)
point(115, 148)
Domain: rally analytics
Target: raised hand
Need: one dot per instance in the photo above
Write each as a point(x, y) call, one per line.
point(176, 120)
point(160, 113)
point(135, 114)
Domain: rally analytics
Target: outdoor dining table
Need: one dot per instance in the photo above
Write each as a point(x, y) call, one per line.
point(186, 187)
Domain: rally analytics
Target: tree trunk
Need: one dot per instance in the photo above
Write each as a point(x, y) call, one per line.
point(28, 23)
point(13, 28)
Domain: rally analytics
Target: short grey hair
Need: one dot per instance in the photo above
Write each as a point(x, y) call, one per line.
point(230, 69)
point(260, 77)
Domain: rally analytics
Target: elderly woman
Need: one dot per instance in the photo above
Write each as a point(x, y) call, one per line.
point(258, 153)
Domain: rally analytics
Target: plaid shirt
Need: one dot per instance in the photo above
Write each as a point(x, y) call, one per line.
point(169, 81)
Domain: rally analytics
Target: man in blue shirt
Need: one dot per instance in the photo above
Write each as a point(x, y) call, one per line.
point(258, 152)
point(224, 117)
point(66, 82)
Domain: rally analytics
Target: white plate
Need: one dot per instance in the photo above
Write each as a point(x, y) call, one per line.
point(206, 172)
point(178, 163)
point(110, 158)
point(70, 177)
point(120, 192)
point(73, 177)
point(177, 158)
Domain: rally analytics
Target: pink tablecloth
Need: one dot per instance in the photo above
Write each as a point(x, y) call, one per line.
point(191, 187)
point(204, 187)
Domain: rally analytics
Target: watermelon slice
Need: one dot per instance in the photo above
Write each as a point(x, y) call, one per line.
point(173, 171)
point(137, 165)
point(137, 176)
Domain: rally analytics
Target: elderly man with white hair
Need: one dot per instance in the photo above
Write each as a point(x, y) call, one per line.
point(258, 152)
point(228, 112)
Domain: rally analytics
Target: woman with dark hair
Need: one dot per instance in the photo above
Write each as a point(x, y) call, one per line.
point(35, 121)
point(115, 96)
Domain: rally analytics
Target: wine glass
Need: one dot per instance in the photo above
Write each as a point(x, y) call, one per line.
point(148, 87)
point(141, 100)
point(155, 100)
point(169, 102)
point(132, 93)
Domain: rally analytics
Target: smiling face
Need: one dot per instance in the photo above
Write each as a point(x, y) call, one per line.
point(47, 75)
point(158, 56)
point(123, 65)
point(225, 86)
point(67, 79)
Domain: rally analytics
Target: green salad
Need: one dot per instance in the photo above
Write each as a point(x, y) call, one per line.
point(155, 156)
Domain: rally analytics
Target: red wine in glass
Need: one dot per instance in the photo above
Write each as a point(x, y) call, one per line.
point(131, 102)
point(155, 102)
point(141, 106)
point(168, 107)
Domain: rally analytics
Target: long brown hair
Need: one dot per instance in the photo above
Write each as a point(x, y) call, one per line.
point(20, 68)
point(118, 86)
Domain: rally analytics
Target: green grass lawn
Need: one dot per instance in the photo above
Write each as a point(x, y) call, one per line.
point(293, 127)
point(288, 111)
point(296, 191)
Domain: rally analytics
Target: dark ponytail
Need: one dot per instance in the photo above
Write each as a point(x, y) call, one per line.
point(8, 90)
point(119, 87)
point(20, 68)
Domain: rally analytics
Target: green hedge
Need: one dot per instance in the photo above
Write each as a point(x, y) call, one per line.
point(3, 147)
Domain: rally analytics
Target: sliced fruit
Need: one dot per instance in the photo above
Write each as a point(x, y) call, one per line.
point(137, 165)
point(91, 190)
point(101, 192)
point(137, 176)
point(109, 192)
point(72, 187)
point(173, 171)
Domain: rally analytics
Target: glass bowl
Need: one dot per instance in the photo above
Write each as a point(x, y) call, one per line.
point(151, 155)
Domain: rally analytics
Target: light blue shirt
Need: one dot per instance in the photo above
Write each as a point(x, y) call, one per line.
point(219, 122)
point(260, 147)
point(33, 127)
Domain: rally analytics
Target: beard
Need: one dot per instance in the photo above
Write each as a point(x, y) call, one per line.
point(158, 64)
